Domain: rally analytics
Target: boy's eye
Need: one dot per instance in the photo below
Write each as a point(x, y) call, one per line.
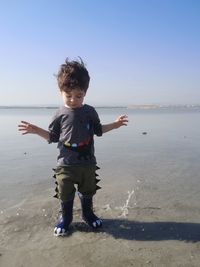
point(78, 96)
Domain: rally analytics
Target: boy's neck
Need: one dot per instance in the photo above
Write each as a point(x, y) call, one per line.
point(73, 108)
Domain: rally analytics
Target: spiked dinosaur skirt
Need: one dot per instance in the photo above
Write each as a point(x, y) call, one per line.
point(84, 177)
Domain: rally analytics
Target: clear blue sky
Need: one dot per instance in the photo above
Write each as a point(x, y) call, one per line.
point(136, 51)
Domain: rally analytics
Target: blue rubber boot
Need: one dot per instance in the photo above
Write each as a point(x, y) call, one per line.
point(87, 212)
point(65, 218)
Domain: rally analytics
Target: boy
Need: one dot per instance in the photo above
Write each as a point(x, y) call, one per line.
point(73, 128)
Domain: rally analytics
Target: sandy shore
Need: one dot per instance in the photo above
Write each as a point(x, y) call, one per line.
point(131, 236)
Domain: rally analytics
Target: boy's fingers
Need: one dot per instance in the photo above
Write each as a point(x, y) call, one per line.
point(123, 117)
point(25, 122)
point(22, 128)
point(124, 120)
point(24, 125)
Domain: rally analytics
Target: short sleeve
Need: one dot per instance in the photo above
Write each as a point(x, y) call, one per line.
point(54, 130)
point(97, 124)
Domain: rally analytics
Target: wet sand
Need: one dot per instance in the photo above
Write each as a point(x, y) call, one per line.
point(131, 235)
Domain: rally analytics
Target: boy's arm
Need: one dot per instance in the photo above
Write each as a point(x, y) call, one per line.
point(28, 128)
point(120, 121)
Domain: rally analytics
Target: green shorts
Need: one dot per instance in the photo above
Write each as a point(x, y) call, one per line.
point(84, 177)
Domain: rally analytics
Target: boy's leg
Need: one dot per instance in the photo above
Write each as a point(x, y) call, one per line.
point(87, 189)
point(87, 212)
point(65, 218)
point(66, 192)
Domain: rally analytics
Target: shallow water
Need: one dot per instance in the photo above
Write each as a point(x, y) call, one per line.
point(160, 168)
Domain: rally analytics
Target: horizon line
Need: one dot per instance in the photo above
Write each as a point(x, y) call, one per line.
point(131, 106)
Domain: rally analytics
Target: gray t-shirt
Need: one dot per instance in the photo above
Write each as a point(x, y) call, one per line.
point(74, 130)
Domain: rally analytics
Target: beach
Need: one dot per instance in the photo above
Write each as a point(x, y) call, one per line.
point(149, 201)
point(148, 236)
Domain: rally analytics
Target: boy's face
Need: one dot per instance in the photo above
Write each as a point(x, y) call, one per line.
point(73, 98)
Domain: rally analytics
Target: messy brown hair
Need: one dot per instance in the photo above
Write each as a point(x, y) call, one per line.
point(73, 75)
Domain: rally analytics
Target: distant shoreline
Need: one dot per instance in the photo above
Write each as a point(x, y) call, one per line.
point(51, 107)
point(140, 107)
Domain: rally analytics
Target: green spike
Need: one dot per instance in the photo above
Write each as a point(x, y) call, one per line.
point(98, 187)
point(97, 180)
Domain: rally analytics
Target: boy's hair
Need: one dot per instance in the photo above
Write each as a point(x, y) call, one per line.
point(73, 75)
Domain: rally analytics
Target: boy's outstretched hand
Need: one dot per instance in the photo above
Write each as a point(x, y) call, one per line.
point(27, 128)
point(121, 121)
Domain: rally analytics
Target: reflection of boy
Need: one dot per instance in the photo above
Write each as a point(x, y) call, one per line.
point(73, 128)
